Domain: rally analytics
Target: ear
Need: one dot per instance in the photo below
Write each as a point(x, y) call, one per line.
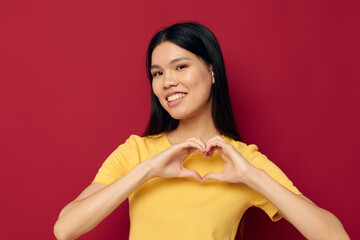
point(211, 70)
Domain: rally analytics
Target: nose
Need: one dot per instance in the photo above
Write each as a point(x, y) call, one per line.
point(170, 80)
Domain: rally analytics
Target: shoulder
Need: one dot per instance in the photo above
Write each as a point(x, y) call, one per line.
point(257, 159)
point(136, 140)
point(145, 139)
point(248, 151)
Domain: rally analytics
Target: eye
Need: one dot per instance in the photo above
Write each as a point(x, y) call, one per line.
point(180, 67)
point(155, 74)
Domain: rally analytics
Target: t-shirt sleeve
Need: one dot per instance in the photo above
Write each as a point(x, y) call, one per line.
point(260, 161)
point(119, 163)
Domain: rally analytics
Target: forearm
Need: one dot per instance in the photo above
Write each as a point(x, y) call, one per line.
point(313, 222)
point(81, 216)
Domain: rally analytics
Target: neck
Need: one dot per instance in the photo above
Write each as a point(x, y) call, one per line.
point(202, 127)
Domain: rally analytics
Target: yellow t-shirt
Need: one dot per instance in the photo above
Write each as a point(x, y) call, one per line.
point(183, 208)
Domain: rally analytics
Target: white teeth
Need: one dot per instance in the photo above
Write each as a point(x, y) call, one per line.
point(176, 96)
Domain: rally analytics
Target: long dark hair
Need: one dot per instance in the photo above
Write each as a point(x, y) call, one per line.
point(199, 40)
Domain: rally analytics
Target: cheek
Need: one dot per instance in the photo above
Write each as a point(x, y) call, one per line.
point(200, 83)
point(155, 88)
point(192, 80)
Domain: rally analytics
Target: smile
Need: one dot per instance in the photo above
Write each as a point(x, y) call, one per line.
point(176, 96)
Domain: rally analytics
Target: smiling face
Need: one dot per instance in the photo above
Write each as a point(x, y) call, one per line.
point(181, 81)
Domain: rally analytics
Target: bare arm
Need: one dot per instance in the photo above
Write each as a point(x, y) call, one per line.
point(96, 202)
point(311, 221)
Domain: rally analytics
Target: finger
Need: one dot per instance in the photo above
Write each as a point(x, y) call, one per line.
point(190, 173)
point(197, 151)
point(212, 176)
point(198, 141)
point(215, 143)
point(187, 146)
point(217, 137)
point(192, 144)
point(210, 153)
point(193, 150)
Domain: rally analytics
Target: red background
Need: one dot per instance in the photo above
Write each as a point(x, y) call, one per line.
point(73, 87)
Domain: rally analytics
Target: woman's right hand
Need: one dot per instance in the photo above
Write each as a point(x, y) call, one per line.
point(168, 163)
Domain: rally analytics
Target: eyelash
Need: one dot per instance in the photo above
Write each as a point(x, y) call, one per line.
point(155, 74)
point(182, 66)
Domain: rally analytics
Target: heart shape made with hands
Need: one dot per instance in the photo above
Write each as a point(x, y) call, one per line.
point(207, 153)
point(235, 163)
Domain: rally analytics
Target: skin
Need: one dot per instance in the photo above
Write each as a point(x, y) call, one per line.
point(177, 70)
point(191, 76)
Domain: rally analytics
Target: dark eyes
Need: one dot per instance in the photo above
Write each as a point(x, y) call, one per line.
point(180, 67)
point(156, 74)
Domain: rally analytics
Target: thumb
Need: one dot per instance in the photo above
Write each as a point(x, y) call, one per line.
point(212, 176)
point(190, 173)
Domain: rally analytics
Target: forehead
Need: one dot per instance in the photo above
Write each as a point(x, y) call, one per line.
point(167, 51)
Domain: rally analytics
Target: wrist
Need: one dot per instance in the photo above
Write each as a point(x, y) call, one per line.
point(151, 168)
point(252, 176)
point(147, 169)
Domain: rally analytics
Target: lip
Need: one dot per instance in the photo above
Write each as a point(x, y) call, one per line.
point(172, 93)
point(175, 102)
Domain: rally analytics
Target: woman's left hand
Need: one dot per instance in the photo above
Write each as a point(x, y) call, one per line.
point(299, 211)
point(236, 167)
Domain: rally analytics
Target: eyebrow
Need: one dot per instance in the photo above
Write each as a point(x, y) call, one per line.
point(172, 61)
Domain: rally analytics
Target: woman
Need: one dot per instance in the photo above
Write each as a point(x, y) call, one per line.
point(178, 186)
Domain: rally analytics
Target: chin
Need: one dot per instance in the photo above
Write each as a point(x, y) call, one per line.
point(178, 116)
